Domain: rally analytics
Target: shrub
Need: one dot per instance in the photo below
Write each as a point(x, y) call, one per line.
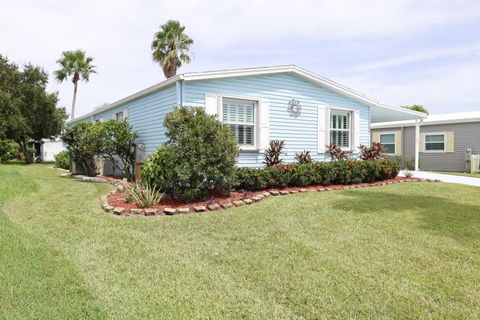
point(198, 158)
point(318, 173)
point(143, 196)
point(336, 152)
point(83, 141)
point(8, 150)
point(303, 157)
point(62, 160)
point(118, 145)
point(273, 153)
point(375, 151)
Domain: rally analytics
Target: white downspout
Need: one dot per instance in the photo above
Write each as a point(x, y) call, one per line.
point(418, 122)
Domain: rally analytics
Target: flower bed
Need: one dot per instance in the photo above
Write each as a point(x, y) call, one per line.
point(115, 202)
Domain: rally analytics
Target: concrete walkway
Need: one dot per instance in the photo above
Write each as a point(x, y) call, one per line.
point(448, 178)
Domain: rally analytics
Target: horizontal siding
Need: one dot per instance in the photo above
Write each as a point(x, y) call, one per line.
point(299, 133)
point(146, 115)
point(467, 135)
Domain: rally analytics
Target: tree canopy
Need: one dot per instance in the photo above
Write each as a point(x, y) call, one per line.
point(170, 47)
point(27, 111)
point(417, 107)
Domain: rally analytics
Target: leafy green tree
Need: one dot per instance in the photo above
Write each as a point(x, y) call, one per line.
point(78, 66)
point(8, 150)
point(170, 47)
point(118, 145)
point(84, 140)
point(417, 107)
point(28, 112)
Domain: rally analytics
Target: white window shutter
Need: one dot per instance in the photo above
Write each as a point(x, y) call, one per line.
point(263, 123)
point(211, 103)
point(125, 114)
point(323, 128)
point(356, 130)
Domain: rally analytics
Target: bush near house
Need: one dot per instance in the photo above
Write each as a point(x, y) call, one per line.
point(198, 158)
point(112, 140)
point(8, 150)
point(318, 173)
point(62, 160)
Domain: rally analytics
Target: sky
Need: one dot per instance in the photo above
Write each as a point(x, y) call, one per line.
point(399, 52)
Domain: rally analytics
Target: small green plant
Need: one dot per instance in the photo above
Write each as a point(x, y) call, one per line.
point(407, 173)
point(143, 196)
point(303, 157)
point(62, 160)
point(8, 150)
point(273, 153)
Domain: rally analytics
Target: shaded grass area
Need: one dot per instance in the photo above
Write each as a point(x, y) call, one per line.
point(398, 251)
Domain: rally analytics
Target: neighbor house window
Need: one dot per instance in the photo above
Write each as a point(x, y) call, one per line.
point(119, 116)
point(340, 128)
point(388, 142)
point(435, 142)
point(240, 115)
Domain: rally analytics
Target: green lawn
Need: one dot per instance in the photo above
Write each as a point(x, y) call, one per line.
point(397, 251)
point(465, 174)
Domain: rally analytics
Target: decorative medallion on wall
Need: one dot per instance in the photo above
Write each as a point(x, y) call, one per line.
point(294, 108)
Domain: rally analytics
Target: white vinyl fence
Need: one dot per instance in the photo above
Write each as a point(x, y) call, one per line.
point(475, 163)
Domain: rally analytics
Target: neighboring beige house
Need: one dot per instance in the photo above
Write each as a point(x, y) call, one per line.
point(445, 142)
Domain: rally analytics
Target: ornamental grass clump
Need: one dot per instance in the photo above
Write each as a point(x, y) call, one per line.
point(143, 196)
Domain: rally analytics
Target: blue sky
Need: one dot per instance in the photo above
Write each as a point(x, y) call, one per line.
point(398, 52)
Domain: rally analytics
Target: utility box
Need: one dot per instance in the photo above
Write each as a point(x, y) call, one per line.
point(139, 152)
point(468, 153)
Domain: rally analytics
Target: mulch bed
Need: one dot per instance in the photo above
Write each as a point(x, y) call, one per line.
point(116, 203)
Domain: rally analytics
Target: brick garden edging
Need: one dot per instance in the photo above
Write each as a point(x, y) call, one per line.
point(167, 211)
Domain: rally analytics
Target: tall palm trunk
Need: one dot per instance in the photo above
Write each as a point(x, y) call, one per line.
point(75, 79)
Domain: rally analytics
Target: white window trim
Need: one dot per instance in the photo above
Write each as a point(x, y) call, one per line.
point(255, 101)
point(444, 134)
point(394, 141)
point(350, 148)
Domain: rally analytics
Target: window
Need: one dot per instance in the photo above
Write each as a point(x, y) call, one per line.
point(435, 142)
point(240, 115)
point(119, 116)
point(340, 128)
point(388, 142)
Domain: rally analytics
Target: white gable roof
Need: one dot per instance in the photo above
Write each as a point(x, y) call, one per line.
point(380, 111)
point(443, 118)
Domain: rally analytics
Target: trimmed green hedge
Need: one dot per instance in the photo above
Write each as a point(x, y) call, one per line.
point(318, 173)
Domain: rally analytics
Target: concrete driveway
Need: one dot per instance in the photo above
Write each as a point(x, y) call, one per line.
point(447, 178)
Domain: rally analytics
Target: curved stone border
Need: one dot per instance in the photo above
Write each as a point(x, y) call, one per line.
point(120, 211)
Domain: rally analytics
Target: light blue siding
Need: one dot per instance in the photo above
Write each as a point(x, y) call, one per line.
point(146, 115)
point(299, 133)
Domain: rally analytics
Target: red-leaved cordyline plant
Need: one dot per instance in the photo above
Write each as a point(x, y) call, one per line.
point(336, 152)
point(376, 151)
point(273, 153)
point(303, 157)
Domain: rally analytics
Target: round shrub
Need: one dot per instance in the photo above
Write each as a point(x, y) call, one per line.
point(62, 160)
point(198, 158)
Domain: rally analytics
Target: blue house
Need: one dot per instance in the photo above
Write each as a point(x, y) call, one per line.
point(260, 104)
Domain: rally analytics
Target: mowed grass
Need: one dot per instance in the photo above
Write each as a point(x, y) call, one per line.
point(398, 251)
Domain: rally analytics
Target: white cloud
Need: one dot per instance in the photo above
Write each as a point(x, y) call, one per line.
point(328, 36)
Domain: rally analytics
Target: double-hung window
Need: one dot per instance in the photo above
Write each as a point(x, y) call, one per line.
point(388, 142)
point(434, 142)
point(240, 115)
point(341, 128)
point(119, 116)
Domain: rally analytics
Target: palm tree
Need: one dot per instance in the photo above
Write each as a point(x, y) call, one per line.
point(77, 65)
point(170, 47)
